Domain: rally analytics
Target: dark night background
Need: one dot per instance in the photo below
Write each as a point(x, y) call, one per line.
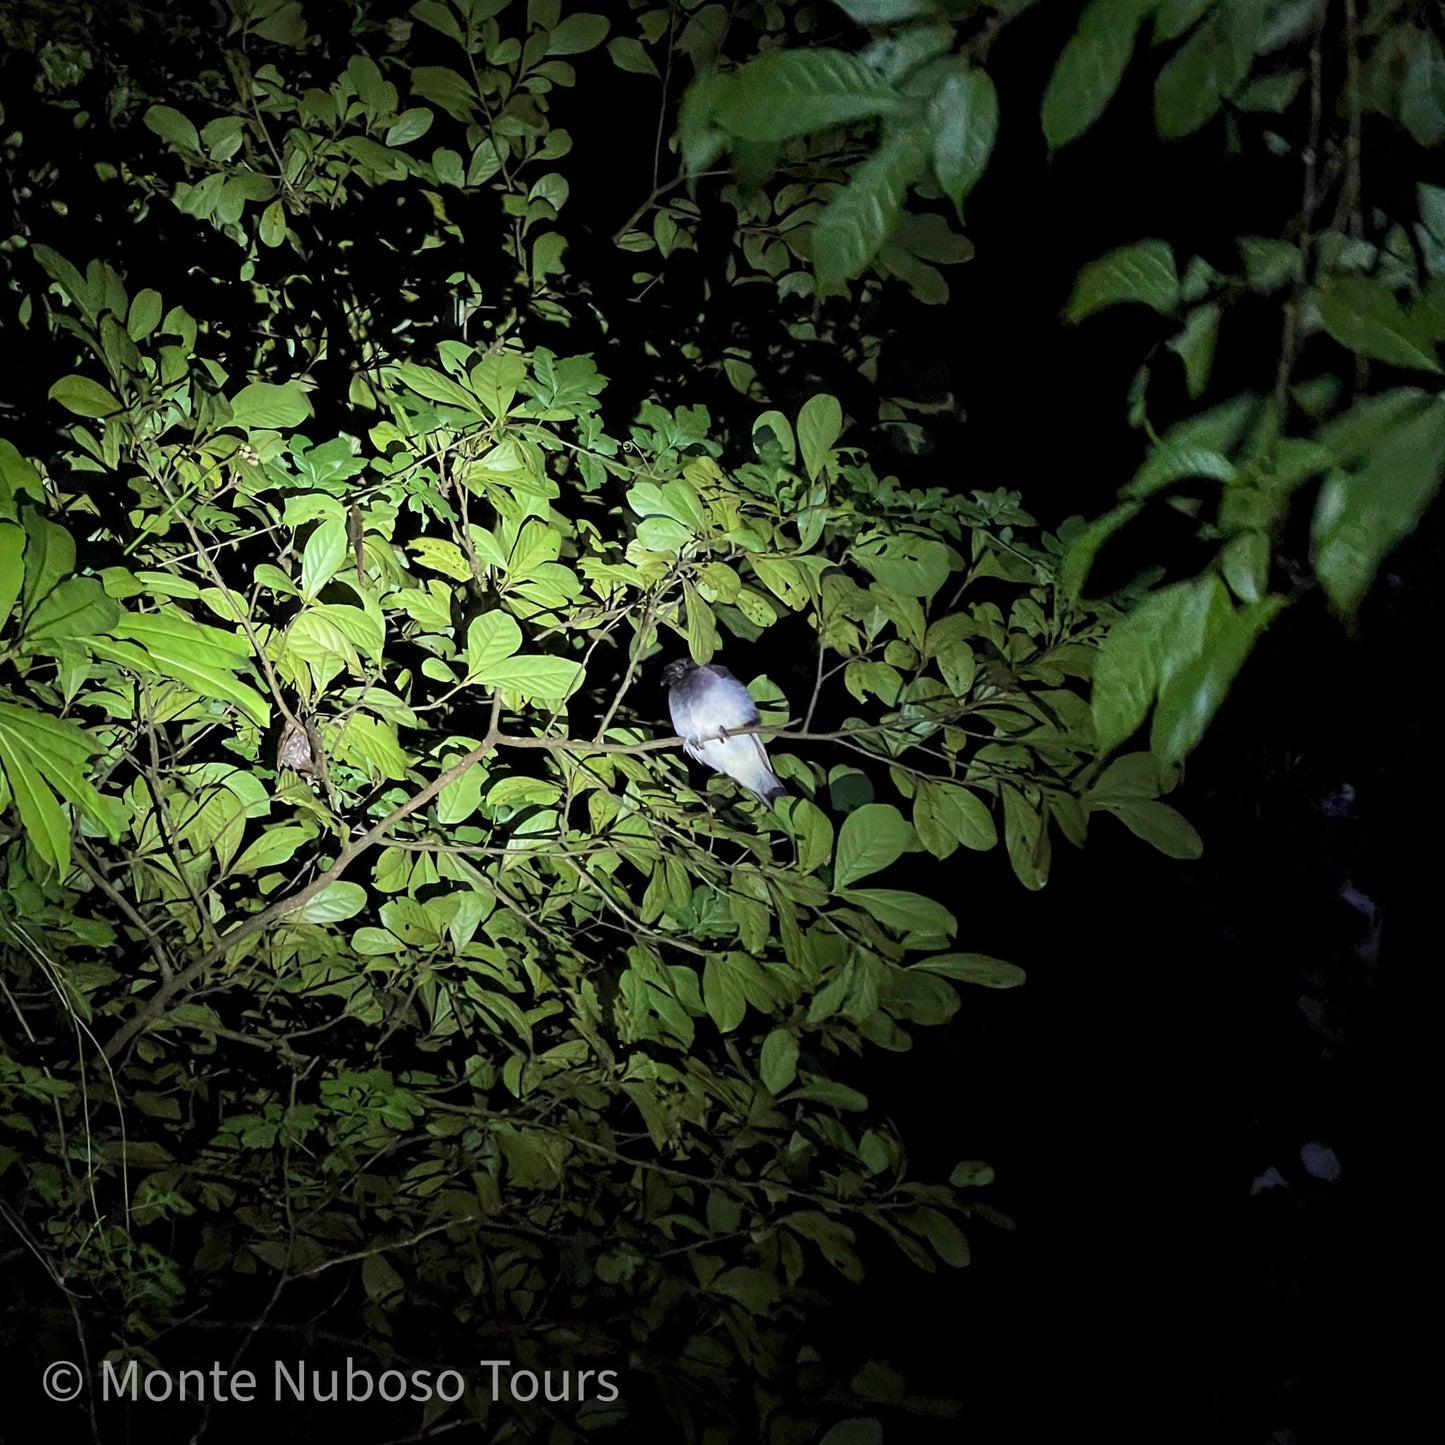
point(1185, 1026)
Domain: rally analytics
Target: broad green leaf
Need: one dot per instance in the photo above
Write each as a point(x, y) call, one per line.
point(38, 754)
point(872, 837)
point(887, 12)
point(49, 557)
point(1025, 838)
point(326, 549)
point(779, 1063)
point(172, 126)
point(1159, 637)
point(945, 815)
point(963, 115)
point(84, 397)
point(439, 16)
point(270, 405)
point(906, 564)
point(790, 92)
point(441, 556)
point(862, 1429)
point(1090, 68)
point(1197, 77)
point(203, 658)
point(12, 568)
point(1191, 693)
point(1194, 346)
point(576, 34)
point(942, 1233)
point(973, 968)
point(1361, 313)
point(820, 424)
point(335, 903)
point(722, 993)
point(491, 639)
point(274, 847)
point(628, 54)
point(542, 679)
point(1363, 513)
point(1141, 272)
point(813, 830)
point(77, 607)
point(1162, 827)
point(861, 217)
point(410, 125)
point(905, 912)
point(145, 314)
point(271, 230)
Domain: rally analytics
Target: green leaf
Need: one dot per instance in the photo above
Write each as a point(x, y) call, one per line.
point(813, 830)
point(862, 1429)
point(325, 550)
point(976, 968)
point(84, 397)
point(943, 1234)
point(203, 658)
point(172, 126)
point(790, 92)
point(820, 424)
point(872, 837)
point(12, 570)
point(1191, 693)
point(271, 230)
point(145, 314)
point(628, 54)
point(1025, 837)
point(39, 753)
point(1090, 68)
point(1194, 346)
point(1159, 636)
point(49, 557)
point(439, 16)
point(1197, 77)
point(1361, 313)
point(945, 815)
point(542, 679)
point(274, 847)
point(78, 607)
point(491, 639)
point(577, 33)
point(963, 115)
point(722, 993)
point(1141, 272)
point(266, 404)
point(779, 1062)
point(904, 912)
point(410, 125)
point(861, 217)
point(886, 12)
point(1362, 513)
point(1161, 826)
point(336, 902)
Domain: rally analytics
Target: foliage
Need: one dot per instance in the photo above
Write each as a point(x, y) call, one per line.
point(359, 925)
point(1360, 291)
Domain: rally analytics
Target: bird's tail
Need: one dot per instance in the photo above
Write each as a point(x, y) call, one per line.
point(772, 790)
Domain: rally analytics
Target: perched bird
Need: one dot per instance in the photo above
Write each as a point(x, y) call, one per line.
point(706, 702)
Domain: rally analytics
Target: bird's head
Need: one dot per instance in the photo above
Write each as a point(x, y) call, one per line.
point(679, 671)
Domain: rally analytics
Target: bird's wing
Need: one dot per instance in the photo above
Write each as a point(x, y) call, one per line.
point(742, 758)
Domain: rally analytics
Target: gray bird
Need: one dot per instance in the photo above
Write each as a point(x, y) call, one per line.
point(706, 702)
